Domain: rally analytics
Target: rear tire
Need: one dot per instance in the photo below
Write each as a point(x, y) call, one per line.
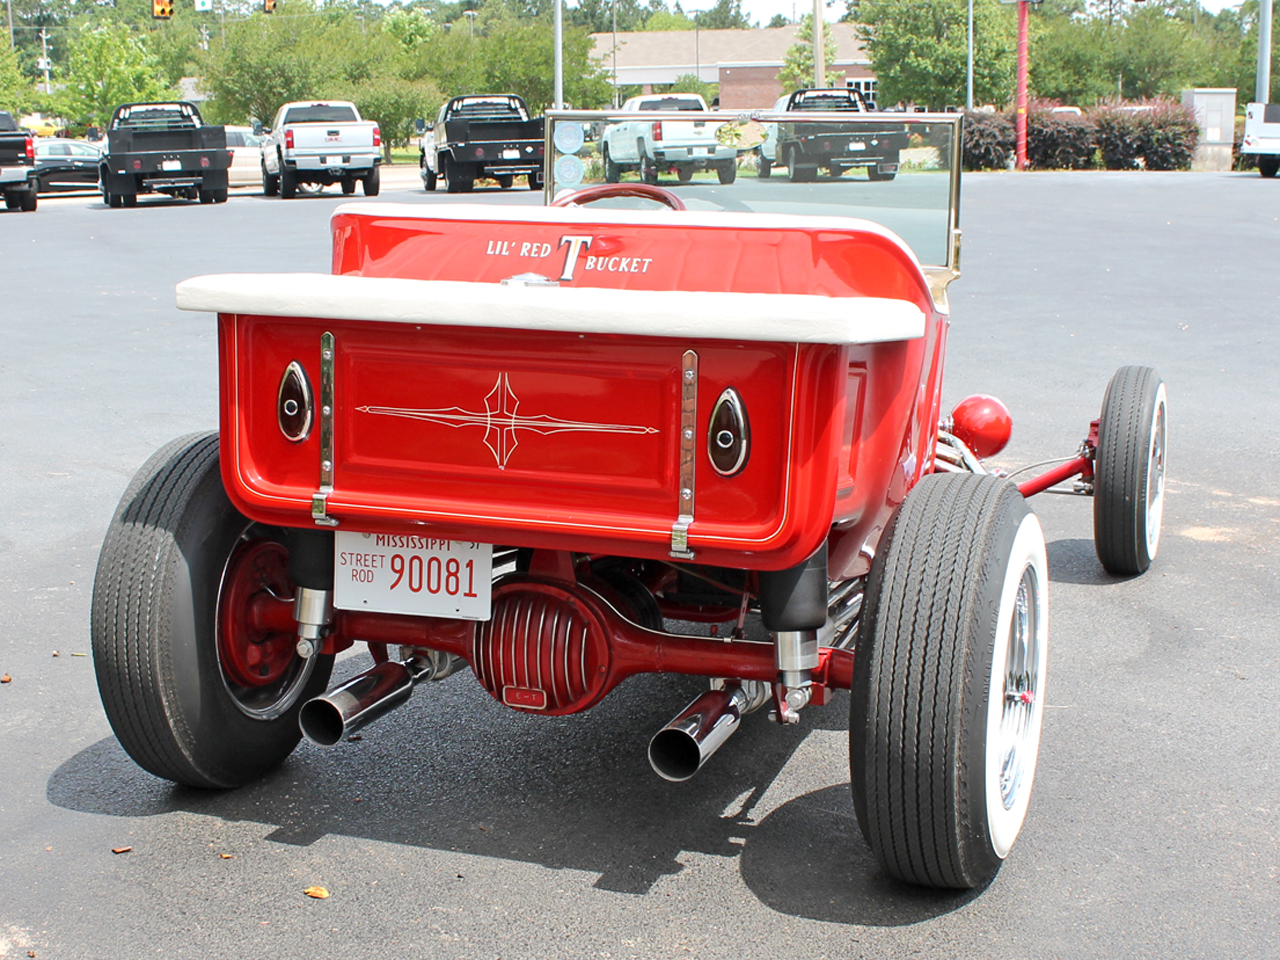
point(372, 183)
point(174, 555)
point(129, 199)
point(948, 682)
point(206, 196)
point(795, 171)
point(1268, 166)
point(29, 199)
point(727, 172)
point(1129, 471)
point(454, 181)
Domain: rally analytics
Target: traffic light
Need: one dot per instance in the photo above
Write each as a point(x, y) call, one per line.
point(268, 6)
point(162, 9)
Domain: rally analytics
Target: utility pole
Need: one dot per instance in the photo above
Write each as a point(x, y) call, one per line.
point(44, 57)
point(615, 54)
point(819, 44)
point(9, 3)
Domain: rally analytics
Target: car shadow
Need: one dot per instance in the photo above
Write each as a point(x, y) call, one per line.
point(456, 772)
point(1076, 561)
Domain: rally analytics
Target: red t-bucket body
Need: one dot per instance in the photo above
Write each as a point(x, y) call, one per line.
point(557, 416)
point(565, 445)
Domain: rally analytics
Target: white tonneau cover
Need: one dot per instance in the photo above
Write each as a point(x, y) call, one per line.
point(776, 318)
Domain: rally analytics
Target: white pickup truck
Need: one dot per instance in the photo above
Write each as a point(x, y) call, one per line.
point(1262, 136)
point(321, 142)
point(653, 146)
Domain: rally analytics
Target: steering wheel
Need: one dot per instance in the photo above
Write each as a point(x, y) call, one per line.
point(602, 190)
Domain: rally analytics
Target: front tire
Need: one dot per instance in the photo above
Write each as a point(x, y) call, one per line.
point(193, 692)
point(270, 183)
point(1129, 471)
point(288, 183)
point(612, 172)
point(428, 177)
point(948, 684)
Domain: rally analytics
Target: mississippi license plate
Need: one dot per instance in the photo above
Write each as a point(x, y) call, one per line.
point(510, 154)
point(170, 165)
point(419, 576)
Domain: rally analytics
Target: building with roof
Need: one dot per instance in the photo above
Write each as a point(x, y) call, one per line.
point(744, 62)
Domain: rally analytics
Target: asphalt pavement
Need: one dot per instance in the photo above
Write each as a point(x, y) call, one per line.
point(458, 829)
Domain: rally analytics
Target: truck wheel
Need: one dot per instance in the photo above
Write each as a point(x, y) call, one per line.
point(684, 172)
point(1129, 471)
point(270, 183)
point(948, 684)
point(648, 171)
point(612, 172)
point(206, 196)
point(194, 691)
point(428, 176)
point(373, 182)
point(727, 171)
point(348, 186)
point(288, 183)
point(764, 166)
point(220, 196)
point(1268, 166)
point(129, 199)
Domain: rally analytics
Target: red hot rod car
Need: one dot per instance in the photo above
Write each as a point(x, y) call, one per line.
point(541, 442)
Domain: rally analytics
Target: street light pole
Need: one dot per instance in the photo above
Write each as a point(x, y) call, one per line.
point(819, 45)
point(615, 54)
point(559, 104)
point(968, 88)
point(1264, 52)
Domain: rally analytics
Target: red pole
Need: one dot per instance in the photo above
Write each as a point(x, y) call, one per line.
point(1022, 84)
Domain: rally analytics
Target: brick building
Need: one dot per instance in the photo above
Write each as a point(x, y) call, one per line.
point(744, 62)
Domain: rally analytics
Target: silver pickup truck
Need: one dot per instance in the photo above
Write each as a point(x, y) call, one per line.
point(322, 142)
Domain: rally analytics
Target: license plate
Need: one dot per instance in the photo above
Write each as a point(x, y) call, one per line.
point(170, 165)
point(418, 576)
point(857, 145)
point(510, 154)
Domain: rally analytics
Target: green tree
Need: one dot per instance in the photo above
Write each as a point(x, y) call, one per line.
point(919, 50)
point(725, 15)
point(689, 83)
point(410, 27)
point(797, 63)
point(668, 20)
point(17, 92)
point(108, 65)
point(394, 104)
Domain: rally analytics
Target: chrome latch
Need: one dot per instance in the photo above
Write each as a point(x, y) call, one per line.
point(688, 427)
point(320, 499)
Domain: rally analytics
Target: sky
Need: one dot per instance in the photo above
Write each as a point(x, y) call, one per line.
point(762, 11)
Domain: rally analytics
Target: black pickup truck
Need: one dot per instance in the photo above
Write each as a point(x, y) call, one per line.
point(483, 136)
point(804, 148)
point(163, 148)
point(17, 165)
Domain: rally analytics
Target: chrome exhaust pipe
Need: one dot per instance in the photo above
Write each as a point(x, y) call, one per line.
point(679, 749)
point(362, 699)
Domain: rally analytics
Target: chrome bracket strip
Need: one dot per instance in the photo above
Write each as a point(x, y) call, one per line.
point(320, 499)
point(688, 433)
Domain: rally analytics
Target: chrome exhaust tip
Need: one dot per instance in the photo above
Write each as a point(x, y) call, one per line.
point(346, 708)
point(679, 749)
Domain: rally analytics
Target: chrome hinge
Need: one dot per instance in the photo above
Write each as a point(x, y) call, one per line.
point(688, 432)
point(320, 499)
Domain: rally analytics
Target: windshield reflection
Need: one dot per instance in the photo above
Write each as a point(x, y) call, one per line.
point(897, 170)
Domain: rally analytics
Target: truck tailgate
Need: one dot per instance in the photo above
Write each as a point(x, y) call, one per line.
point(332, 137)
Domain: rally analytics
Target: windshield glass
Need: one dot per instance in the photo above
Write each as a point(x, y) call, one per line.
point(899, 170)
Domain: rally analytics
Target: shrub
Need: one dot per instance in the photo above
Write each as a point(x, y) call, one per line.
point(1160, 135)
point(1060, 141)
point(988, 141)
